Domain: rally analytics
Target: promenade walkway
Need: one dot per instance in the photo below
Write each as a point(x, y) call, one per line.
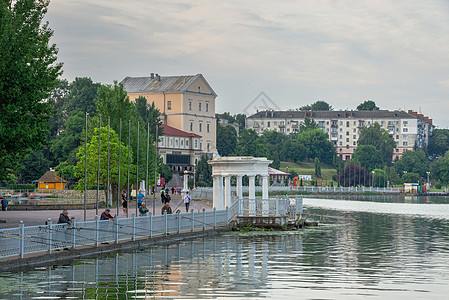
point(38, 217)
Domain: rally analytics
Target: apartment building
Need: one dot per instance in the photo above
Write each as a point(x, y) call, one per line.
point(179, 149)
point(343, 127)
point(187, 103)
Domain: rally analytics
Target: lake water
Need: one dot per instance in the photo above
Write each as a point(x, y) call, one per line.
point(372, 248)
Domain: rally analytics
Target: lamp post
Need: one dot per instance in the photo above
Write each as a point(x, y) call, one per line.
point(372, 172)
point(194, 175)
point(428, 182)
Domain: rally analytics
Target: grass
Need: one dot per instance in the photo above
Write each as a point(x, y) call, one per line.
point(308, 168)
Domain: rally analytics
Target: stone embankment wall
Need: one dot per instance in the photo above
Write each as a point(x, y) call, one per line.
point(91, 194)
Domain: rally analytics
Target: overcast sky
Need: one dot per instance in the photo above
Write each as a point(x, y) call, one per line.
point(344, 52)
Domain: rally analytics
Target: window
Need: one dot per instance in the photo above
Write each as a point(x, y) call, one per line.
point(170, 142)
point(208, 147)
point(341, 143)
point(354, 130)
point(353, 143)
point(208, 127)
point(268, 124)
point(404, 129)
point(207, 106)
point(341, 123)
point(196, 144)
point(190, 104)
point(176, 143)
point(191, 125)
point(381, 122)
point(200, 128)
point(405, 123)
point(341, 129)
point(182, 143)
point(274, 123)
point(405, 143)
point(397, 136)
point(199, 106)
point(354, 137)
point(404, 136)
point(347, 123)
point(168, 105)
point(347, 132)
point(355, 123)
point(347, 140)
point(201, 145)
point(187, 143)
point(341, 136)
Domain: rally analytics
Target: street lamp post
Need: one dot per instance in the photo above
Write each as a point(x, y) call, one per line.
point(372, 172)
point(428, 182)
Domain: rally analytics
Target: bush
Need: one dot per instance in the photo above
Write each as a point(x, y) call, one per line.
point(438, 185)
point(23, 187)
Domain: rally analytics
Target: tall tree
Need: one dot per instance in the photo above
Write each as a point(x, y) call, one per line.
point(250, 144)
point(318, 105)
point(367, 105)
point(309, 124)
point(80, 97)
point(226, 140)
point(28, 73)
point(317, 145)
point(92, 161)
point(241, 120)
point(375, 136)
point(439, 142)
point(440, 169)
point(368, 157)
point(413, 162)
point(34, 166)
point(150, 114)
point(203, 172)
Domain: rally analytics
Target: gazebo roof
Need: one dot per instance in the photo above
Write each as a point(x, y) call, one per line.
point(50, 176)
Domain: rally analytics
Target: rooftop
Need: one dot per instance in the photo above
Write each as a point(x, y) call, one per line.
point(171, 131)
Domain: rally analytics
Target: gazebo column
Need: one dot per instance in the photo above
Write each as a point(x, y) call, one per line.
point(227, 197)
point(252, 194)
point(220, 186)
point(239, 187)
point(217, 193)
point(265, 200)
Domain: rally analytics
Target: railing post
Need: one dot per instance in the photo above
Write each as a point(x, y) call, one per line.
point(22, 241)
point(193, 220)
point(179, 221)
point(116, 229)
point(215, 218)
point(97, 228)
point(74, 233)
point(134, 226)
point(151, 224)
point(227, 215)
point(50, 235)
point(166, 221)
point(204, 219)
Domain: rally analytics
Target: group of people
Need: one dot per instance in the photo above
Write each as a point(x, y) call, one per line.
point(143, 210)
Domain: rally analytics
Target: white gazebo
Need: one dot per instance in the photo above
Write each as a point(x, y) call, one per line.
point(225, 167)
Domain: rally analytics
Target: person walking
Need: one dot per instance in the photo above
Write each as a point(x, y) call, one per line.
point(4, 204)
point(125, 201)
point(166, 209)
point(187, 200)
point(140, 197)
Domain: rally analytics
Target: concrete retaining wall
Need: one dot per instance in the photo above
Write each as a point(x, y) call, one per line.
point(36, 260)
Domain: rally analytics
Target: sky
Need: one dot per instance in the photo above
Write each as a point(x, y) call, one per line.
point(293, 53)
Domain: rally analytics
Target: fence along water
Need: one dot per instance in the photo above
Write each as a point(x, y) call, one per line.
point(50, 237)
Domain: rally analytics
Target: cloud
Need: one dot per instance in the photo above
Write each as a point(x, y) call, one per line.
point(395, 52)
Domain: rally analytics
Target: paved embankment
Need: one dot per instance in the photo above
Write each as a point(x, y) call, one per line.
point(31, 218)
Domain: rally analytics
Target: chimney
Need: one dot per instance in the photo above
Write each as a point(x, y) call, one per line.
point(152, 76)
point(345, 113)
point(159, 77)
point(351, 113)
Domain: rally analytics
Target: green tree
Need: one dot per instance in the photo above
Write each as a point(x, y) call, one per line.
point(226, 140)
point(368, 105)
point(150, 115)
point(241, 120)
point(439, 142)
point(92, 162)
point(375, 136)
point(250, 144)
point(380, 178)
point(353, 175)
point(203, 172)
point(414, 162)
point(393, 176)
point(440, 169)
point(318, 105)
point(34, 166)
point(317, 144)
point(28, 73)
point(293, 150)
point(80, 96)
point(368, 156)
point(309, 124)
point(66, 171)
point(410, 177)
point(317, 168)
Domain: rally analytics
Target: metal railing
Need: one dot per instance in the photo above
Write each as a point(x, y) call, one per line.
point(48, 238)
point(317, 189)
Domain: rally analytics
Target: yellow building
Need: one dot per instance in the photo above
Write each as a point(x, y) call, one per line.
point(186, 102)
point(50, 182)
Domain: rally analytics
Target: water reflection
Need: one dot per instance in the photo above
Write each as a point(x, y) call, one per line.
point(356, 255)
